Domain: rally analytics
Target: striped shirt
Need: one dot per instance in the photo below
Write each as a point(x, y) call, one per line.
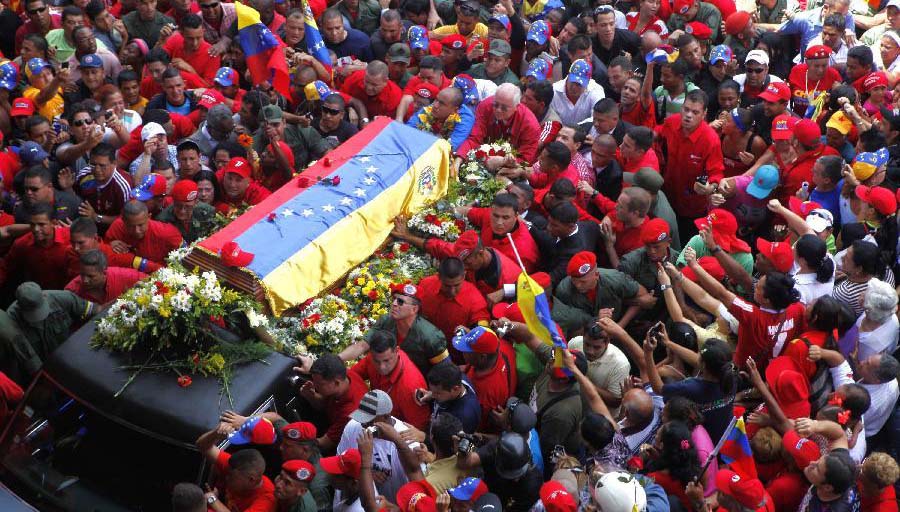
point(849, 292)
point(108, 198)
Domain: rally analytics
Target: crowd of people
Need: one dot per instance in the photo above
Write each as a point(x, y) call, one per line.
point(706, 191)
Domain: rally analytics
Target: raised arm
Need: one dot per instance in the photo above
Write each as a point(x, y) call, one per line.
point(589, 390)
point(715, 288)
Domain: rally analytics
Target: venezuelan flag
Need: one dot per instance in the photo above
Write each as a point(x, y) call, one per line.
point(314, 42)
point(265, 58)
point(306, 237)
point(535, 307)
point(736, 451)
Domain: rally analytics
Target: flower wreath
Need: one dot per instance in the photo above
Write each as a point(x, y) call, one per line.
point(426, 122)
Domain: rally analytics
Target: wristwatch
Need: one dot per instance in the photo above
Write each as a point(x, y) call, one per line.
point(211, 499)
point(664, 287)
point(715, 249)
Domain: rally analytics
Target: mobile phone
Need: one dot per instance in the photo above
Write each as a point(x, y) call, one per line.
point(64, 65)
point(655, 330)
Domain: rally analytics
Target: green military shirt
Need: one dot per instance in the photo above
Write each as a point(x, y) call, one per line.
point(17, 358)
point(407, 76)
point(507, 77)
point(706, 14)
point(66, 311)
point(146, 30)
point(773, 16)
point(738, 47)
point(306, 144)
point(319, 488)
point(368, 16)
point(639, 267)
point(571, 308)
point(306, 503)
point(662, 209)
point(202, 221)
point(425, 344)
point(560, 422)
point(744, 258)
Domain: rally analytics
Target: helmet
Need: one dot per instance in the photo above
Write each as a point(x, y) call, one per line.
point(521, 418)
point(513, 457)
point(619, 492)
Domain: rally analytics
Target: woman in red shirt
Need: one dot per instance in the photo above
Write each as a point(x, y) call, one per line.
point(646, 19)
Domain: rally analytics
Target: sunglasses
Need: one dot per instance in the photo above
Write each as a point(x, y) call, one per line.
point(33, 189)
point(209, 6)
point(330, 111)
point(82, 122)
point(603, 9)
point(400, 301)
point(756, 70)
point(38, 10)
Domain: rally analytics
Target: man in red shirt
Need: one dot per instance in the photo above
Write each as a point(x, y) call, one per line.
point(181, 8)
point(692, 150)
point(101, 284)
point(157, 63)
point(238, 188)
point(40, 254)
point(431, 71)
point(246, 486)
point(83, 238)
point(503, 117)
point(449, 301)
point(335, 391)
point(625, 223)
point(489, 372)
point(808, 146)
point(40, 21)
point(137, 233)
point(498, 221)
point(636, 150)
point(389, 369)
point(812, 78)
point(104, 188)
point(374, 89)
point(491, 271)
point(190, 52)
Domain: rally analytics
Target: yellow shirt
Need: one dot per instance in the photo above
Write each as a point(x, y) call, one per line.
point(139, 106)
point(443, 474)
point(480, 32)
point(51, 109)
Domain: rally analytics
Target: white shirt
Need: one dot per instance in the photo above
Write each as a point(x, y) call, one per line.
point(385, 457)
point(810, 288)
point(607, 371)
point(837, 60)
point(569, 113)
point(485, 88)
point(742, 79)
point(883, 339)
point(884, 397)
point(338, 505)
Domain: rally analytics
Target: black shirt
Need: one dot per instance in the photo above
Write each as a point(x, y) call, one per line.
point(65, 207)
point(516, 495)
point(343, 132)
point(623, 41)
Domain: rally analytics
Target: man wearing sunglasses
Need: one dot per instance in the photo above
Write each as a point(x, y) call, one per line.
point(331, 124)
point(40, 21)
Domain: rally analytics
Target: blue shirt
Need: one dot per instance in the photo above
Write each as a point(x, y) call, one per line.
point(466, 408)
point(357, 44)
point(708, 396)
point(830, 200)
point(809, 25)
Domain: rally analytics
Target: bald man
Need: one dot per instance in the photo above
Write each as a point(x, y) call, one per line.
point(449, 102)
point(374, 89)
point(639, 418)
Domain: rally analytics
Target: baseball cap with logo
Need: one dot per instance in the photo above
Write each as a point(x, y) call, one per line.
point(153, 185)
point(655, 230)
point(682, 6)
point(874, 80)
point(819, 51)
point(864, 165)
point(9, 76)
point(239, 166)
point(416, 496)
point(539, 32)
point(736, 22)
point(347, 463)
point(880, 198)
point(479, 340)
point(22, 107)
point(469, 489)
point(373, 404)
point(801, 207)
point(210, 98)
point(399, 52)
point(427, 91)
point(804, 451)
point(317, 90)
point(299, 470)
point(31, 153)
point(500, 48)
point(556, 498)
point(775, 92)
point(418, 37)
point(765, 180)
point(90, 60)
point(538, 68)
point(720, 53)
point(233, 256)
point(469, 88)
point(299, 431)
point(779, 253)
point(748, 492)
point(699, 30)
point(184, 191)
point(758, 56)
point(783, 127)
point(35, 66)
point(503, 20)
point(408, 289)
point(227, 77)
point(580, 73)
point(581, 264)
point(840, 122)
point(466, 244)
point(256, 430)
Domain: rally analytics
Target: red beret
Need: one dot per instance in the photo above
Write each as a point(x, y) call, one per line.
point(736, 22)
point(299, 431)
point(407, 289)
point(299, 470)
point(581, 264)
point(698, 30)
point(455, 42)
point(655, 230)
point(819, 51)
point(184, 190)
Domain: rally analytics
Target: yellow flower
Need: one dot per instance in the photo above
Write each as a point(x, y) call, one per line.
point(165, 312)
point(143, 301)
point(215, 363)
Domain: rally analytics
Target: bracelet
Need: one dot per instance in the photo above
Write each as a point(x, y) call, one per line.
point(715, 249)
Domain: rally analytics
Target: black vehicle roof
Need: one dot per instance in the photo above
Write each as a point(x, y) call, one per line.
point(154, 402)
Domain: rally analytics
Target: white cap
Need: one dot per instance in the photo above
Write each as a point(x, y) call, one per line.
point(151, 130)
point(619, 492)
point(757, 56)
point(893, 3)
point(820, 219)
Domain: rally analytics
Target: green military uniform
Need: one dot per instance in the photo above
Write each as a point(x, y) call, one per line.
point(306, 144)
point(559, 423)
point(425, 344)
point(773, 16)
point(404, 80)
point(507, 77)
point(662, 209)
point(571, 308)
point(319, 488)
point(17, 359)
point(306, 503)
point(744, 258)
point(202, 221)
point(146, 30)
point(706, 14)
point(739, 48)
point(66, 311)
point(639, 267)
point(368, 16)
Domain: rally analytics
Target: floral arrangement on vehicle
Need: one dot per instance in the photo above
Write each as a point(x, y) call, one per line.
point(327, 325)
point(477, 184)
point(435, 222)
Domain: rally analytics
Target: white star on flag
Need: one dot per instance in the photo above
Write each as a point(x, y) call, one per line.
point(369, 180)
point(307, 212)
point(372, 169)
point(287, 212)
point(347, 201)
point(364, 159)
point(360, 192)
point(328, 208)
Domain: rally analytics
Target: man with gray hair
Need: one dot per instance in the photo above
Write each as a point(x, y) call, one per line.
point(503, 117)
point(374, 89)
point(878, 325)
point(216, 129)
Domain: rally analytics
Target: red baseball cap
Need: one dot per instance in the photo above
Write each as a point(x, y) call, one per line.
point(655, 230)
point(775, 92)
point(783, 126)
point(347, 463)
point(879, 197)
point(508, 310)
point(454, 42)
point(299, 431)
point(184, 190)
point(299, 470)
point(427, 90)
point(779, 253)
point(802, 208)
point(416, 496)
point(466, 244)
point(581, 264)
point(736, 22)
point(209, 98)
point(790, 386)
point(748, 492)
point(239, 166)
point(724, 230)
point(807, 132)
point(803, 450)
point(708, 263)
point(876, 79)
point(22, 107)
point(232, 255)
point(556, 498)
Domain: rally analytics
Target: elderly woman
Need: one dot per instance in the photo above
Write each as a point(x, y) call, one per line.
point(878, 325)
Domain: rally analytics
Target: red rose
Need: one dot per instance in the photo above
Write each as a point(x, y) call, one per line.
point(404, 247)
point(373, 295)
point(271, 217)
point(326, 162)
point(336, 181)
point(481, 155)
point(460, 224)
point(430, 218)
point(491, 152)
point(218, 320)
point(337, 292)
point(195, 359)
point(303, 182)
point(315, 317)
point(389, 255)
point(184, 381)
point(500, 152)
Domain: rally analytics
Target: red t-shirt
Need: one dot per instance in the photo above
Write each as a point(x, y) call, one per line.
point(203, 63)
point(688, 157)
point(149, 87)
point(640, 115)
point(493, 388)
point(528, 250)
point(46, 266)
point(886, 501)
point(467, 308)
point(384, 104)
point(793, 176)
point(160, 239)
point(118, 279)
point(760, 330)
point(649, 159)
point(542, 179)
point(9, 167)
point(627, 239)
point(400, 385)
point(261, 499)
point(412, 87)
point(803, 90)
point(113, 259)
point(338, 409)
point(787, 491)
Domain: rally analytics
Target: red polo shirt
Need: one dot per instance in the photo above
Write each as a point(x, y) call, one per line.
point(528, 250)
point(149, 87)
point(627, 239)
point(400, 385)
point(160, 239)
point(46, 266)
point(113, 259)
point(648, 159)
point(203, 63)
point(688, 157)
point(338, 409)
point(118, 280)
point(467, 308)
point(260, 499)
point(384, 104)
point(254, 194)
point(793, 175)
point(493, 387)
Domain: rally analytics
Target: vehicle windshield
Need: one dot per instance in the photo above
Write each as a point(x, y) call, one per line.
point(68, 457)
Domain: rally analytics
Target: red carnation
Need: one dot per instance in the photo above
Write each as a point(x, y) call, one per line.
point(195, 359)
point(481, 155)
point(161, 289)
point(492, 152)
point(326, 162)
point(373, 295)
point(184, 381)
point(404, 247)
point(430, 218)
point(218, 320)
point(303, 182)
point(460, 224)
point(389, 255)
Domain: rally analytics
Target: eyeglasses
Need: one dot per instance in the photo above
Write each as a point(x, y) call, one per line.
point(400, 301)
point(209, 6)
point(33, 189)
point(756, 70)
point(36, 11)
point(82, 122)
point(330, 111)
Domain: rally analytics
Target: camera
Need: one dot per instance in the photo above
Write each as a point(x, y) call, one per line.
point(297, 380)
point(466, 443)
point(595, 332)
point(372, 429)
point(558, 453)
point(109, 115)
point(703, 179)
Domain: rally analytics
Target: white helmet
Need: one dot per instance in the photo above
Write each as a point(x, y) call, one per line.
point(619, 492)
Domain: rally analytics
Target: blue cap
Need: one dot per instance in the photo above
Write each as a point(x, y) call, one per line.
point(151, 186)
point(580, 73)
point(256, 430)
point(31, 153)
point(765, 180)
point(9, 76)
point(466, 84)
point(882, 156)
point(721, 53)
point(503, 20)
point(418, 37)
point(479, 340)
point(539, 32)
point(226, 77)
point(35, 66)
point(538, 68)
point(467, 489)
point(90, 60)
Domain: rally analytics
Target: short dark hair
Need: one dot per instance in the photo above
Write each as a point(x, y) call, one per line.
point(578, 23)
point(697, 96)
point(565, 212)
point(158, 116)
point(171, 72)
point(415, 6)
point(330, 367)
point(623, 62)
point(93, 258)
point(642, 137)
point(559, 154)
point(606, 106)
point(127, 75)
point(505, 200)
point(35, 120)
point(41, 208)
point(39, 171)
point(431, 62)
point(863, 54)
point(872, 140)
point(451, 268)
point(580, 42)
point(158, 55)
point(840, 470)
point(94, 8)
point(888, 370)
point(563, 189)
point(443, 427)
point(70, 11)
point(832, 167)
point(256, 100)
point(729, 84)
point(780, 291)
point(191, 21)
point(597, 430)
point(684, 40)
point(329, 13)
point(133, 208)
point(248, 460)
point(382, 341)
point(84, 226)
point(543, 91)
point(444, 375)
point(679, 68)
point(187, 497)
point(834, 20)
point(104, 149)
